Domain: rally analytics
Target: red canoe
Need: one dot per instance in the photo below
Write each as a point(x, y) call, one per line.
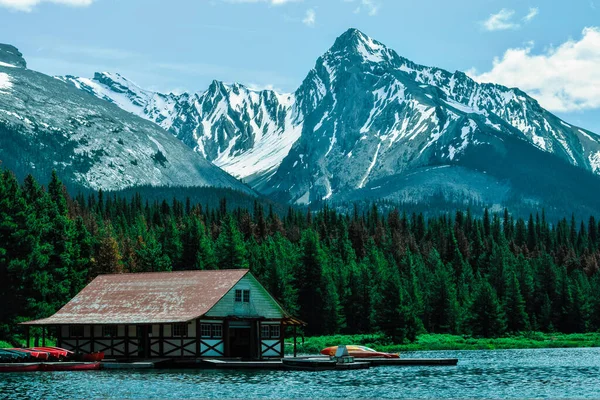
point(70, 366)
point(54, 353)
point(92, 357)
point(41, 355)
point(67, 352)
point(19, 367)
point(359, 352)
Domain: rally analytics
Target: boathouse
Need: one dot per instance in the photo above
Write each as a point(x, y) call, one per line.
point(225, 313)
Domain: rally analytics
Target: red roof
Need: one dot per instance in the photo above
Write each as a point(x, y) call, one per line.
point(145, 298)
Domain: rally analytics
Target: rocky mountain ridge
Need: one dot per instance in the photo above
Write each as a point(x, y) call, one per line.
point(46, 125)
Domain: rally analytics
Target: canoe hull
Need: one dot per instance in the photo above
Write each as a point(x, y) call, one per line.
point(19, 367)
point(93, 357)
point(49, 367)
point(70, 366)
point(359, 352)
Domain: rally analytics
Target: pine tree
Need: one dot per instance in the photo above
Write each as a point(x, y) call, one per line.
point(230, 248)
point(393, 308)
point(206, 257)
point(150, 255)
point(308, 278)
point(441, 305)
point(172, 244)
point(514, 305)
point(108, 257)
point(486, 317)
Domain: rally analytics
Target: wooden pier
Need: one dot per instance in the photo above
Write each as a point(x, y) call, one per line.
point(234, 363)
point(142, 364)
point(430, 362)
point(321, 364)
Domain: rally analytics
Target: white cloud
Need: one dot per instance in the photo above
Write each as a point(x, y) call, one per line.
point(371, 7)
point(533, 12)
point(501, 21)
point(504, 19)
point(310, 17)
point(28, 5)
point(564, 78)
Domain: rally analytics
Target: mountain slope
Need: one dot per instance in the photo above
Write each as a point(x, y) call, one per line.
point(381, 116)
point(367, 123)
point(47, 124)
point(245, 132)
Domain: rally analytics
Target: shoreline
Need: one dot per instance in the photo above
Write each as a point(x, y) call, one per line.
point(432, 342)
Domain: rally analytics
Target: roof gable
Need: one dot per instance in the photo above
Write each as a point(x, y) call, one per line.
point(261, 302)
point(156, 297)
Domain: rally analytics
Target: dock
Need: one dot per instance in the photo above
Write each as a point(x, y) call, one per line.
point(406, 362)
point(140, 364)
point(276, 364)
point(238, 364)
point(425, 362)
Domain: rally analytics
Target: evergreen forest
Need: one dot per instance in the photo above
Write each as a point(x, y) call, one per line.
point(395, 273)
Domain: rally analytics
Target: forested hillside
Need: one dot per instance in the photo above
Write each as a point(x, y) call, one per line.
point(364, 272)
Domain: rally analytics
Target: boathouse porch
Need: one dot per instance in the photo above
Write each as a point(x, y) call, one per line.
point(252, 338)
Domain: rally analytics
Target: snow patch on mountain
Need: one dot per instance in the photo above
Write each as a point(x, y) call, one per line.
point(373, 161)
point(5, 83)
point(595, 162)
point(587, 136)
point(465, 131)
point(464, 108)
point(266, 155)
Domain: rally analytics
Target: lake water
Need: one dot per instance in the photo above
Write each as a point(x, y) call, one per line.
point(547, 373)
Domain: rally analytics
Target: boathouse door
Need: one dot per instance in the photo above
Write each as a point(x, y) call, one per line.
point(242, 338)
point(143, 335)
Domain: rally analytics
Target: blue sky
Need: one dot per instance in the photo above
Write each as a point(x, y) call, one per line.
point(551, 49)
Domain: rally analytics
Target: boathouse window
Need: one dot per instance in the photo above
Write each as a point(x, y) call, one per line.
point(211, 331)
point(179, 329)
point(242, 296)
point(270, 331)
point(275, 331)
point(76, 331)
point(109, 331)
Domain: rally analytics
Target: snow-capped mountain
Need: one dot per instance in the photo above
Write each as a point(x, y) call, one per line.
point(46, 124)
point(380, 116)
point(367, 123)
point(246, 132)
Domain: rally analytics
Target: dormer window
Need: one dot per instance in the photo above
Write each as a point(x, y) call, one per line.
point(242, 295)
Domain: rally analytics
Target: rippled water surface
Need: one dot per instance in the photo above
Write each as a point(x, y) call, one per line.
point(549, 373)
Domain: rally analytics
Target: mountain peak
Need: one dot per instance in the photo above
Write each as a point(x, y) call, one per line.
point(350, 39)
point(12, 56)
point(352, 32)
point(355, 42)
point(217, 86)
